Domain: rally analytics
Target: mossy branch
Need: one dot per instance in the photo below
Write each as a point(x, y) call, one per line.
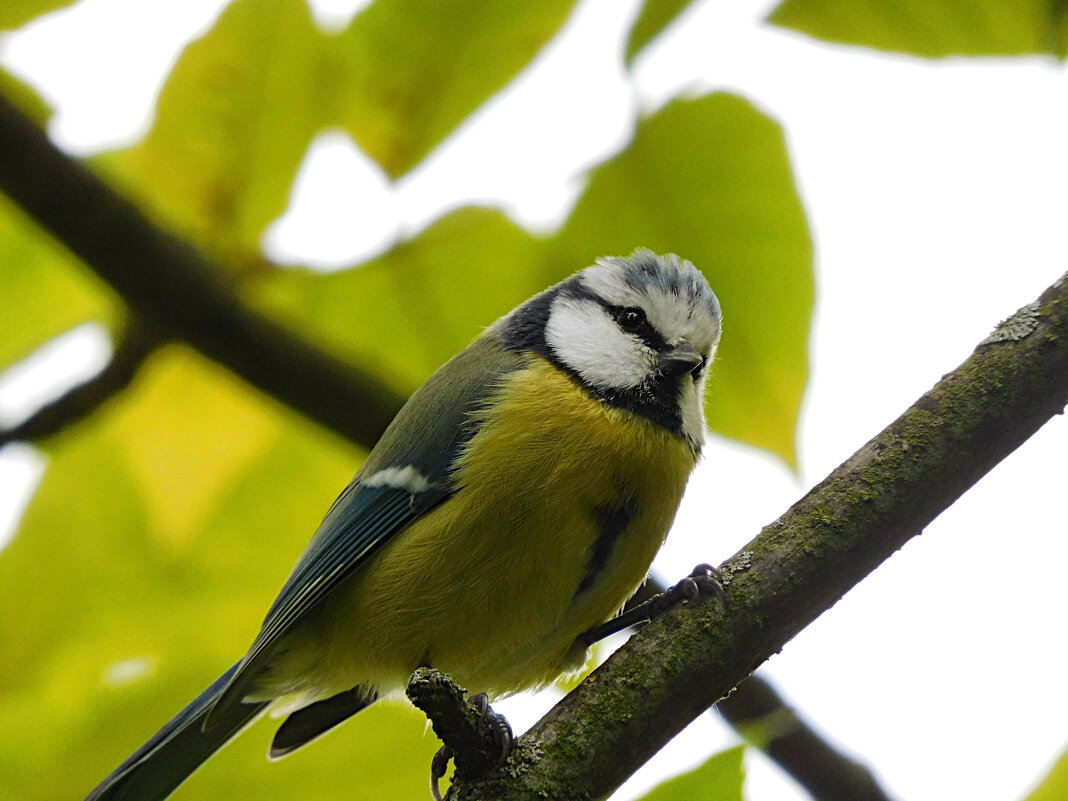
point(797, 567)
point(171, 285)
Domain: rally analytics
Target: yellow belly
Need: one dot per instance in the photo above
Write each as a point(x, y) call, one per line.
point(486, 586)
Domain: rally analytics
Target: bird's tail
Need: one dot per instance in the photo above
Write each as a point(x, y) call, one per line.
point(178, 749)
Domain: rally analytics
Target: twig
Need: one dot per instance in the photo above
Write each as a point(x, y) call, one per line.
point(133, 347)
point(167, 282)
point(796, 568)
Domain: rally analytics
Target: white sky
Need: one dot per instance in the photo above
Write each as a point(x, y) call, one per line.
point(936, 195)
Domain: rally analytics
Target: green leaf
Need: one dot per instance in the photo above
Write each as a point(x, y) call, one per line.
point(654, 17)
point(45, 290)
point(25, 97)
point(16, 13)
point(232, 125)
point(162, 532)
point(934, 28)
point(718, 779)
point(410, 71)
point(710, 180)
point(1054, 787)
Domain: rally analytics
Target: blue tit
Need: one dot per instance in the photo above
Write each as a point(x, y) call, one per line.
point(515, 502)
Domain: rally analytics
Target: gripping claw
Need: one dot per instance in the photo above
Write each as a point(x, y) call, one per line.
point(703, 580)
point(439, 765)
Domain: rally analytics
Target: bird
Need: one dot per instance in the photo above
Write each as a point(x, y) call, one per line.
point(511, 507)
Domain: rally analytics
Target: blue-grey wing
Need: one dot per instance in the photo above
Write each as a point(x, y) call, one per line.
point(355, 528)
point(426, 436)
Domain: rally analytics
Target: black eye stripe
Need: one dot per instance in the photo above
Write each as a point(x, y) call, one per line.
point(639, 326)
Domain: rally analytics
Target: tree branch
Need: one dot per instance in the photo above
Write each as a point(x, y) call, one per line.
point(799, 566)
point(761, 716)
point(134, 346)
point(167, 282)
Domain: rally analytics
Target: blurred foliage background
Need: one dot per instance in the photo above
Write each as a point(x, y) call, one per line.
point(129, 585)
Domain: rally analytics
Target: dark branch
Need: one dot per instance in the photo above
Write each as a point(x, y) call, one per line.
point(133, 347)
point(759, 714)
point(796, 568)
point(167, 282)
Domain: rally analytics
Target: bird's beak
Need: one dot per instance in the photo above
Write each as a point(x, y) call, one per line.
point(679, 360)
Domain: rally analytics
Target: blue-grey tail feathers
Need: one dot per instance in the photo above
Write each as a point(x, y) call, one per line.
point(306, 724)
point(178, 749)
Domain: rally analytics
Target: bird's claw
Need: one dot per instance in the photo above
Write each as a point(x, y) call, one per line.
point(439, 765)
point(703, 580)
point(708, 580)
point(501, 728)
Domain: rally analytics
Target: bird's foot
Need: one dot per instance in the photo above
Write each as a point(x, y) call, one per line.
point(703, 580)
point(501, 732)
point(476, 738)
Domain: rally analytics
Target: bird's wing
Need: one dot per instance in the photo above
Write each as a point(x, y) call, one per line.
point(364, 521)
point(418, 447)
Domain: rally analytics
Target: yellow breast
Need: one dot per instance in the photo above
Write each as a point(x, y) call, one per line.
point(562, 503)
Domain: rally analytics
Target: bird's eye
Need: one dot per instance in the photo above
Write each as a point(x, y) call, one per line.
point(630, 319)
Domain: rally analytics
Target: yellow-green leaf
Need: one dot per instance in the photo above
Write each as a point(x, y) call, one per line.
point(22, 95)
point(410, 71)
point(1054, 787)
point(45, 291)
point(16, 13)
point(232, 125)
point(720, 778)
point(710, 180)
point(934, 28)
point(654, 17)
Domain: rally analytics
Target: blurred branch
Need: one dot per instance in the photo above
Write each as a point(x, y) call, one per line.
point(761, 716)
point(692, 656)
point(167, 282)
point(134, 346)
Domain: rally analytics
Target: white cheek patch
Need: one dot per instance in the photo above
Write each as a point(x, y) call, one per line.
point(406, 478)
point(587, 340)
